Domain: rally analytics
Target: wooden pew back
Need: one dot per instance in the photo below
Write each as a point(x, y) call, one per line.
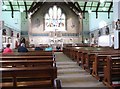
point(28, 77)
point(26, 63)
point(18, 63)
point(33, 53)
point(99, 63)
point(112, 71)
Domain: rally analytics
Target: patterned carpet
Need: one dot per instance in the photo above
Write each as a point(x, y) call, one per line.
point(73, 76)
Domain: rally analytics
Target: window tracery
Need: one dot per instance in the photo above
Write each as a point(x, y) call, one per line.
point(55, 19)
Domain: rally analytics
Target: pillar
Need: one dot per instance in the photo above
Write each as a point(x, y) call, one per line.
point(116, 16)
point(1, 24)
point(116, 9)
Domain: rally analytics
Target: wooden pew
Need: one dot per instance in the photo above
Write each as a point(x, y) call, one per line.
point(26, 63)
point(33, 53)
point(75, 52)
point(26, 57)
point(28, 78)
point(89, 58)
point(29, 61)
point(87, 61)
point(21, 61)
point(112, 72)
point(79, 53)
point(98, 65)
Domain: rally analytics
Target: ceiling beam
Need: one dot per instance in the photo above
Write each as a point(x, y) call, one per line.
point(73, 6)
point(84, 9)
point(97, 9)
point(3, 3)
point(26, 9)
point(18, 4)
point(84, 6)
point(32, 5)
point(66, 3)
point(104, 4)
point(77, 7)
point(76, 3)
point(40, 4)
point(37, 5)
point(100, 11)
point(110, 9)
point(11, 8)
point(91, 6)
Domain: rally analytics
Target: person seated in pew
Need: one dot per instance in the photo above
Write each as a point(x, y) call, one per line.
point(58, 48)
point(37, 48)
point(49, 48)
point(7, 49)
point(22, 48)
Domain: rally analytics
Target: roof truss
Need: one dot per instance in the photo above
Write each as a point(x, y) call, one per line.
point(79, 6)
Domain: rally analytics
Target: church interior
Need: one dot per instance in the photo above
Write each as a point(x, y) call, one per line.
point(57, 44)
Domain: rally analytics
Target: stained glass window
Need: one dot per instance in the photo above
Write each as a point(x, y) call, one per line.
point(55, 19)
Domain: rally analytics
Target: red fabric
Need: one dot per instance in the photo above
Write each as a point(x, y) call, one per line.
point(7, 50)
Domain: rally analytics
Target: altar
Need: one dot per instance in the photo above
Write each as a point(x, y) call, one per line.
point(56, 40)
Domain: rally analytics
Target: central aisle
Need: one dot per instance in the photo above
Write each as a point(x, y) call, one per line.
point(73, 75)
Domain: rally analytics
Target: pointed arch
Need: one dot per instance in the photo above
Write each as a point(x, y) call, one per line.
point(55, 19)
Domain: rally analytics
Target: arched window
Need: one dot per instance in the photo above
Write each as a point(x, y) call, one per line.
point(55, 19)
